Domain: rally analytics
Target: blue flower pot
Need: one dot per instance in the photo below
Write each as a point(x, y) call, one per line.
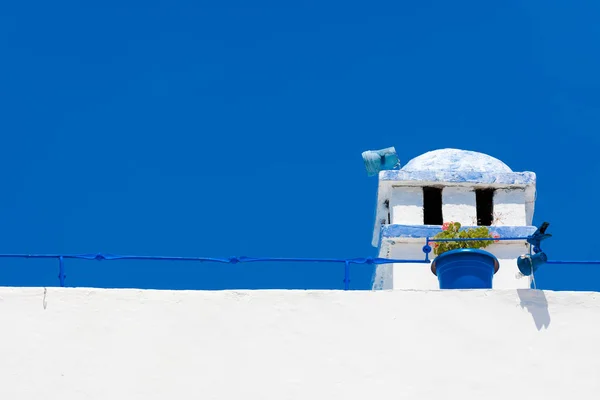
point(465, 269)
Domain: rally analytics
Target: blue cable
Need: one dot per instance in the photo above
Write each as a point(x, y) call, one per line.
point(244, 259)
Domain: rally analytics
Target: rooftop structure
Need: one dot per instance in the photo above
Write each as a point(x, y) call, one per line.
point(449, 185)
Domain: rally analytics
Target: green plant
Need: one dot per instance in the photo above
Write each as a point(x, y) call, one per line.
point(451, 230)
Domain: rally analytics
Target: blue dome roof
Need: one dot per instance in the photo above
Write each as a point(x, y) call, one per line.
point(456, 160)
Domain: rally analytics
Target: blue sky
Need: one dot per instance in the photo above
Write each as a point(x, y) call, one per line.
point(235, 128)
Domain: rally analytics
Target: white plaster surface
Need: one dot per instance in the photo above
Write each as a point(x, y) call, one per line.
point(510, 207)
point(459, 205)
point(414, 276)
point(77, 344)
point(406, 205)
point(530, 197)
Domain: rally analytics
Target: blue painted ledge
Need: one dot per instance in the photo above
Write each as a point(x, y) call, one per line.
point(424, 231)
point(487, 178)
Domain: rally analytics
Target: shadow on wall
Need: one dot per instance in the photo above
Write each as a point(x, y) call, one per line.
point(537, 305)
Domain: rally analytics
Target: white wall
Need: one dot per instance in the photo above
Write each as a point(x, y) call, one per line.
point(510, 207)
point(458, 205)
point(406, 205)
point(74, 344)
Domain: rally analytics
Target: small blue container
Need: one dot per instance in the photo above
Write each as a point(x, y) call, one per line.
point(465, 269)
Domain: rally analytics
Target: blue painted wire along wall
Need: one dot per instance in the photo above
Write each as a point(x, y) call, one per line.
point(116, 271)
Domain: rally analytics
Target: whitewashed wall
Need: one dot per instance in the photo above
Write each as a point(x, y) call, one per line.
point(74, 344)
point(512, 207)
point(406, 205)
point(458, 205)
